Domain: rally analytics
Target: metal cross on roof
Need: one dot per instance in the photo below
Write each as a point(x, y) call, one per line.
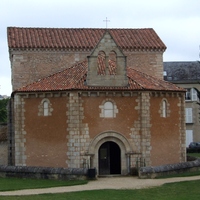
point(106, 22)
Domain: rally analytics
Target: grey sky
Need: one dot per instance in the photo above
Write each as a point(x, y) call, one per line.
point(177, 22)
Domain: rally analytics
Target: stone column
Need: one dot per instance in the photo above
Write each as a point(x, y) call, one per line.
point(20, 157)
point(78, 133)
point(145, 127)
point(182, 129)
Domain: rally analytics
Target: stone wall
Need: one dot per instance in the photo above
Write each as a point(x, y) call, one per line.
point(64, 138)
point(44, 172)
point(148, 62)
point(165, 170)
point(29, 66)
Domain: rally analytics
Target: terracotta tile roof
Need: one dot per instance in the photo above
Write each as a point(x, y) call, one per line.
point(74, 78)
point(81, 38)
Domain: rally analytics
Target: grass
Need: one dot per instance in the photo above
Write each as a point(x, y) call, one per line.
point(182, 174)
point(173, 191)
point(197, 155)
point(7, 184)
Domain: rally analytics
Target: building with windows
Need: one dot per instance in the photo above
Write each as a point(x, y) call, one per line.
point(93, 98)
point(187, 75)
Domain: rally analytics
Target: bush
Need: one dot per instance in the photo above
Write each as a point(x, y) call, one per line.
point(193, 150)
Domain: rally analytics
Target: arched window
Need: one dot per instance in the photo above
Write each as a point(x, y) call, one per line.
point(101, 63)
point(164, 108)
point(46, 108)
point(112, 63)
point(108, 109)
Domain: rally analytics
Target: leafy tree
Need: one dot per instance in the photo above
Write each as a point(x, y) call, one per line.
point(3, 110)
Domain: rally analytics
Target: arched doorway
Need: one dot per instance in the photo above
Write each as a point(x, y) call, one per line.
point(109, 159)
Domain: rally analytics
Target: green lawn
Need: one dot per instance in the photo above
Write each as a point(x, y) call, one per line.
point(173, 191)
point(7, 184)
point(182, 174)
point(197, 155)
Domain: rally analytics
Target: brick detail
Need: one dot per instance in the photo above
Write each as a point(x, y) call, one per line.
point(29, 66)
point(149, 62)
point(20, 141)
point(78, 132)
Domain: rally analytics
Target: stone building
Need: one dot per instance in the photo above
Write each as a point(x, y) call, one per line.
point(93, 98)
point(187, 75)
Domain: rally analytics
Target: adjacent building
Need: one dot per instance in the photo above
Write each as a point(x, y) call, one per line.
point(187, 75)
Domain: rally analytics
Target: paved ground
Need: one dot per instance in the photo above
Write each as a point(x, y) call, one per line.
point(104, 183)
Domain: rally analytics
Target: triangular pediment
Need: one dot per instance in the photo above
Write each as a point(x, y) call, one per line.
point(107, 43)
point(107, 64)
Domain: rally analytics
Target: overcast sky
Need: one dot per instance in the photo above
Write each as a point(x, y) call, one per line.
point(177, 22)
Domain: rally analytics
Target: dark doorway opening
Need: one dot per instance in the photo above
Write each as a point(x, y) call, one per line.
point(109, 159)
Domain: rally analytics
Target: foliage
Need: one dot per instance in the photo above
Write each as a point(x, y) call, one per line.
point(3, 110)
point(193, 150)
point(173, 191)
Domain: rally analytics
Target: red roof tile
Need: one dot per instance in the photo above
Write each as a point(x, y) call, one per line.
point(74, 78)
point(82, 38)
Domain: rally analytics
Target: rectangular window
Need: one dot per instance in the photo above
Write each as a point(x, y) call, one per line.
point(191, 94)
point(188, 115)
point(194, 94)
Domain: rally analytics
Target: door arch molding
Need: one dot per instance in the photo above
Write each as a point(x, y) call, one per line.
point(110, 136)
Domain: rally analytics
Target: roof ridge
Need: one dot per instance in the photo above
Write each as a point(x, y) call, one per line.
point(82, 38)
point(21, 27)
point(130, 68)
point(152, 78)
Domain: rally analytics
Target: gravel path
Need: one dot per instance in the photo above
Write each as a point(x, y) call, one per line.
point(103, 183)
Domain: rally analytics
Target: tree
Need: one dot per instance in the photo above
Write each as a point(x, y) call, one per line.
point(3, 110)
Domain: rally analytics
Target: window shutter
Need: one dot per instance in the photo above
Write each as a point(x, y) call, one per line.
point(194, 94)
point(188, 115)
point(189, 137)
